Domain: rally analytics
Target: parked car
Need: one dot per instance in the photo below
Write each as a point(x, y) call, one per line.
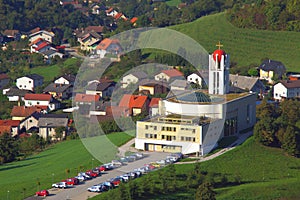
point(117, 163)
point(156, 165)
point(124, 160)
point(162, 162)
point(60, 185)
point(42, 193)
point(91, 173)
point(109, 166)
point(109, 185)
point(85, 175)
point(143, 170)
point(139, 155)
point(173, 158)
point(71, 181)
point(125, 177)
point(179, 155)
point(116, 181)
point(102, 168)
point(97, 188)
point(130, 158)
point(81, 178)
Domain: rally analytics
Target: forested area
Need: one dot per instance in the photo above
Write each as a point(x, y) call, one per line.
point(270, 15)
point(279, 125)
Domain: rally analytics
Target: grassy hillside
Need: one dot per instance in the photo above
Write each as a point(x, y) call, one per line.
point(245, 46)
point(48, 167)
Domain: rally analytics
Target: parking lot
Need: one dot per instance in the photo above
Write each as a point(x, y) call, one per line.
point(79, 192)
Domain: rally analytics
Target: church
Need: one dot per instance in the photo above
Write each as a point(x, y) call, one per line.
point(193, 121)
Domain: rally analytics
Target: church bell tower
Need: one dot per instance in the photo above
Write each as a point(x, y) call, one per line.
point(218, 72)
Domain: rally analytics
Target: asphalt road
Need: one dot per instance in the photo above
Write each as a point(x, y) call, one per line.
point(79, 192)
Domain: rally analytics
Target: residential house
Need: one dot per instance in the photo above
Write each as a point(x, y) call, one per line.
point(168, 75)
point(153, 106)
point(30, 123)
point(152, 87)
point(180, 85)
point(111, 12)
point(29, 82)
point(88, 99)
point(286, 89)
point(48, 123)
point(294, 77)
point(251, 84)
point(43, 34)
point(133, 78)
point(10, 126)
point(59, 91)
point(270, 69)
point(12, 35)
point(103, 89)
point(109, 47)
point(15, 94)
point(89, 40)
point(4, 80)
point(198, 77)
point(52, 53)
point(67, 79)
point(21, 112)
point(133, 21)
point(45, 100)
point(68, 2)
point(135, 104)
point(39, 44)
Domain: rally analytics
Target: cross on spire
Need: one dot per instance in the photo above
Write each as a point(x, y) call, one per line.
point(219, 45)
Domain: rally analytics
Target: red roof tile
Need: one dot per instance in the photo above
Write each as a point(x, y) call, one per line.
point(5, 129)
point(172, 72)
point(133, 101)
point(117, 16)
point(154, 102)
point(86, 98)
point(40, 97)
point(109, 10)
point(35, 41)
point(9, 122)
point(22, 111)
point(42, 45)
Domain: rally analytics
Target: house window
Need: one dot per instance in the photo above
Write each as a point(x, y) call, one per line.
point(174, 137)
point(155, 128)
point(29, 81)
point(38, 103)
point(191, 79)
point(30, 121)
point(163, 137)
point(146, 127)
point(193, 131)
point(146, 135)
point(155, 136)
point(169, 138)
point(182, 138)
point(194, 139)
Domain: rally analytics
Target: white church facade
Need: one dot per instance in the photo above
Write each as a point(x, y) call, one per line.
point(193, 122)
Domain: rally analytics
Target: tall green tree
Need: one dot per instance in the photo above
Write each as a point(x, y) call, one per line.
point(8, 148)
point(205, 192)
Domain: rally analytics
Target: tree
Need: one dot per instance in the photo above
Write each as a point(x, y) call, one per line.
point(289, 143)
point(253, 72)
point(59, 132)
point(8, 148)
point(205, 192)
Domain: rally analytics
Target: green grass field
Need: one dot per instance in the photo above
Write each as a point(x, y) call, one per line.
point(245, 46)
point(52, 71)
point(49, 166)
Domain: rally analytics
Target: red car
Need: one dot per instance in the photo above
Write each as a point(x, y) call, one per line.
point(102, 168)
point(116, 181)
point(42, 193)
point(71, 181)
point(91, 173)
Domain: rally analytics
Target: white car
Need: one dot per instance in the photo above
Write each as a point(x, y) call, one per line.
point(81, 178)
point(95, 188)
point(60, 185)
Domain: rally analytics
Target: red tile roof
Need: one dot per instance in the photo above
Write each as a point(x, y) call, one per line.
point(35, 41)
point(86, 98)
point(22, 111)
point(9, 122)
point(39, 97)
point(133, 20)
point(117, 16)
point(109, 10)
point(104, 44)
point(42, 45)
point(172, 72)
point(154, 102)
point(133, 101)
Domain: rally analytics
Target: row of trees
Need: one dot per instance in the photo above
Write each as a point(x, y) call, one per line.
point(279, 125)
point(271, 15)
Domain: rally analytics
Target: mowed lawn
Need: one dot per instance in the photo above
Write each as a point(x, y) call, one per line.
point(173, 2)
point(49, 166)
point(245, 46)
point(266, 173)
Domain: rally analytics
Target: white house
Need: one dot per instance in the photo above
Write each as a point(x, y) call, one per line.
point(197, 77)
point(29, 82)
point(179, 85)
point(30, 122)
point(168, 75)
point(109, 47)
point(133, 77)
point(102, 89)
point(45, 35)
point(41, 100)
point(286, 89)
point(67, 79)
point(15, 94)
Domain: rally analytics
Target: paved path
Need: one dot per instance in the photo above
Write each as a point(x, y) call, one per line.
point(126, 147)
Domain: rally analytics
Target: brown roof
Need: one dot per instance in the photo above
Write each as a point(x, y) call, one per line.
point(11, 32)
point(154, 102)
point(97, 29)
point(37, 29)
point(291, 84)
point(40, 97)
point(22, 111)
point(172, 72)
point(86, 98)
point(5, 129)
point(9, 122)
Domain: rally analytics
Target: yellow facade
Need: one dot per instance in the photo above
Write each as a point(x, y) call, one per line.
point(149, 88)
